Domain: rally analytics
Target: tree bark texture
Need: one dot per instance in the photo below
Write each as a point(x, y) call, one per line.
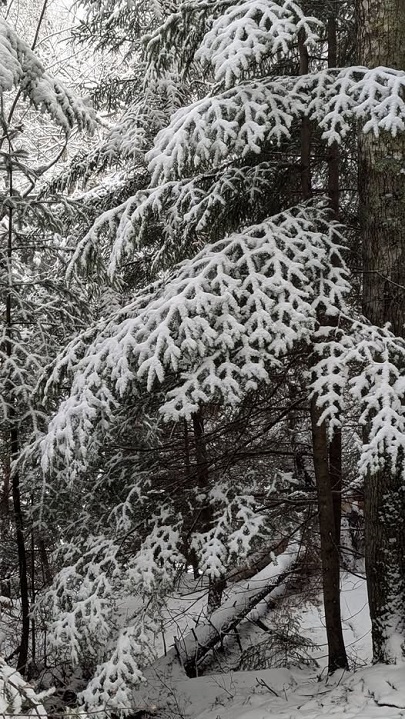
point(381, 31)
point(381, 179)
point(330, 556)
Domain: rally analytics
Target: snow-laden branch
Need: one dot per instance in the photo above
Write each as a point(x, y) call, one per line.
point(364, 363)
point(222, 543)
point(239, 121)
point(110, 690)
point(213, 329)
point(380, 390)
point(229, 38)
point(338, 98)
point(181, 211)
point(249, 32)
point(80, 600)
point(19, 67)
point(249, 116)
point(82, 608)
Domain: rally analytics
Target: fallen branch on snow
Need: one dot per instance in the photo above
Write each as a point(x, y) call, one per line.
point(242, 599)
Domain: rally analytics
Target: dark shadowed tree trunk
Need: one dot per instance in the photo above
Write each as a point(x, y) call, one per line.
point(13, 435)
point(381, 33)
point(206, 518)
point(335, 447)
point(327, 507)
point(329, 550)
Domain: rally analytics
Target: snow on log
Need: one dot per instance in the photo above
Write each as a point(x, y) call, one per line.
point(239, 603)
point(164, 677)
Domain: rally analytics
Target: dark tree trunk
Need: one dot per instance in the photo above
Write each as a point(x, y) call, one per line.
point(381, 180)
point(205, 519)
point(330, 557)
point(335, 447)
point(381, 28)
point(13, 450)
point(327, 508)
point(22, 561)
point(46, 567)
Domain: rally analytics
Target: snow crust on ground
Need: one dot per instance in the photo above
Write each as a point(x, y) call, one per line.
point(355, 620)
point(365, 692)
point(370, 693)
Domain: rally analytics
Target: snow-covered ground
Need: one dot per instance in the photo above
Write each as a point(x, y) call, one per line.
point(293, 694)
point(364, 692)
point(285, 692)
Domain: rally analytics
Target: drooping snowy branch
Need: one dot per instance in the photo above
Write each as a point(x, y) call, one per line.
point(182, 214)
point(80, 600)
point(331, 374)
point(213, 329)
point(249, 116)
point(19, 67)
point(83, 608)
point(249, 32)
point(237, 522)
point(337, 98)
point(364, 363)
point(380, 390)
point(238, 122)
point(110, 689)
point(231, 38)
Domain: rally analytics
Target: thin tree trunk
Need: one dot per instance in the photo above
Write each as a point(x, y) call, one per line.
point(5, 497)
point(14, 452)
point(206, 519)
point(329, 550)
point(46, 567)
point(326, 509)
point(33, 598)
point(22, 559)
point(381, 30)
point(189, 552)
point(335, 446)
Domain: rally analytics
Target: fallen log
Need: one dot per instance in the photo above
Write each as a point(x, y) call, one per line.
point(164, 677)
point(255, 562)
point(242, 599)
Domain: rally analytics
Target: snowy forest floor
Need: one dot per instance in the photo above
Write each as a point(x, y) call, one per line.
point(364, 692)
point(290, 694)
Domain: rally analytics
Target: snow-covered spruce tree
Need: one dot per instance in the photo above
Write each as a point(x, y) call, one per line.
point(375, 94)
point(223, 197)
point(226, 335)
point(206, 205)
point(214, 328)
point(30, 331)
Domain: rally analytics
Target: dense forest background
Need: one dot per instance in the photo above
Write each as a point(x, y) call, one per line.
point(202, 260)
